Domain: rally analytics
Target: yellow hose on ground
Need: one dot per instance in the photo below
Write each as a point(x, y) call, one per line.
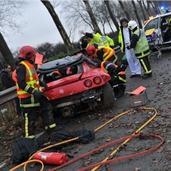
point(28, 161)
point(97, 129)
point(127, 140)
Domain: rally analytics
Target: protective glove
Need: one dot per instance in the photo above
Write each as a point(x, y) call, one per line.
point(128, 47)
point(43, 85)
point(37, 94)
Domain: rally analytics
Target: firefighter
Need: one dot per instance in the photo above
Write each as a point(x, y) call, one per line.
point(103, 53)
point(141, 48)
point(89, 39)
point(124, 38)
point(32, 100)
point(118, 76)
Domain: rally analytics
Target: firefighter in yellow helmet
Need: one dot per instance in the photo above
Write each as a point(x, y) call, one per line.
point(29, 93)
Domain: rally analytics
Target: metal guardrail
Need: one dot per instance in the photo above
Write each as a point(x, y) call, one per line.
point(10, 93)
point(7, 95)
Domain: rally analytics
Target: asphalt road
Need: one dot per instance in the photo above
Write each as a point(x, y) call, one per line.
point(159, 98)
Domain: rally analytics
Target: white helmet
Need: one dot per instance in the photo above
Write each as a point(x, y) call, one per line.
point(132, 24)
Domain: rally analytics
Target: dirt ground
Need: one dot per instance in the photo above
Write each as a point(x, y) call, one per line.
point(159, 99)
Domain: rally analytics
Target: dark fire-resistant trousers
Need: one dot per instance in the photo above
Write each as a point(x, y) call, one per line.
point(30, 115)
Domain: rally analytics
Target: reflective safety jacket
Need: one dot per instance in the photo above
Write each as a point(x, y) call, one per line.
point(110, 68)
point(142, 48)
point(14, 76)
point(121, 40)
point(32, 83)
point(105, 53)
point(101, 40)
point(31, 80)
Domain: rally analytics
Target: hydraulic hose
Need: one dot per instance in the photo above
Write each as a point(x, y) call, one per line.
point(27, 162)
point(127, 140)
point(97, 129)
point(113, 160)
point(129, 156)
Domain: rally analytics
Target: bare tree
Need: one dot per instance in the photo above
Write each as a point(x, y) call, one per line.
point(6, 52)
point(9, 11)
point(93, 19)
point(124, 9)
point(136, 13)
point(102, 15)
point(142, 9)
point(58, 23)
point(147, 9)
point(154, 6)
point(111, 14)
point(9, 25)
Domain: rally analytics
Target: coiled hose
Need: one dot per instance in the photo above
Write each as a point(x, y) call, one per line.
point(106, 160)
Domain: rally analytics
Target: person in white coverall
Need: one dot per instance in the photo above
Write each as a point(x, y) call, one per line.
point(124, 38)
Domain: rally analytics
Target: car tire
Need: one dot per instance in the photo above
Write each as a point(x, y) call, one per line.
point(107, 98)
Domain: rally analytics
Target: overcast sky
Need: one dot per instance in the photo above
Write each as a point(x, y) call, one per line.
point(39, 27)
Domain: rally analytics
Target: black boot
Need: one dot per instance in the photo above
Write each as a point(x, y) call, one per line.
point(118, 91)
point(122, 87)
point(147, 76)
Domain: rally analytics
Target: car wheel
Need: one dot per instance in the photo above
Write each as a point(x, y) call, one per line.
point(107, 98)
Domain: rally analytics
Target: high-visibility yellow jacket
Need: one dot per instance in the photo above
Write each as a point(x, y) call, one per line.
point(105, 53)
point(101, 40)
point(142, 48)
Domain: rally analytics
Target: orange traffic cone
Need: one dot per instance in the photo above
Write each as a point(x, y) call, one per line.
point(51, 157)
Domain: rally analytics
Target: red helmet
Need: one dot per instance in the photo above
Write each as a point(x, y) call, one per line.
point(91, 50)
point(27, 52)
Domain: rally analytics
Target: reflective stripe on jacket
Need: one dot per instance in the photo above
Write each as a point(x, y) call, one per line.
point(105, 65)
point(31, 80)
point(120, 40)
point(108, 52)
point(14, 76)
point(142, 48)
point(101, 40)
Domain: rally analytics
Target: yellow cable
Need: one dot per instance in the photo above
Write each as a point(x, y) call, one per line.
point(76, 138)
point(127, 140)
point(25, 163)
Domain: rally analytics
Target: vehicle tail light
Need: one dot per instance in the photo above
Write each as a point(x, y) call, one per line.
point(105, 78)
point(97, 80)
point(88, 83)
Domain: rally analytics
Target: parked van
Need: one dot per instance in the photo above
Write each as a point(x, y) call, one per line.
point(161, 25)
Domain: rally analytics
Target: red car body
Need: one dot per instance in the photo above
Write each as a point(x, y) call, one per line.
point(82, 88)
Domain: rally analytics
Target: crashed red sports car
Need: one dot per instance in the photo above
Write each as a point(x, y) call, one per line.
point(74, 85)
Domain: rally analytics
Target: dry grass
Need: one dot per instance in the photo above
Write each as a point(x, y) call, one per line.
point(9, 120)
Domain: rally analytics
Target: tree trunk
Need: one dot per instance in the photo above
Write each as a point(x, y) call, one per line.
point(6, 53)
point(142, 9)
point(124, 9)
point(57, 22)
point(92, 17)
point(136, 13)
point(147, 8)
point(111, 14)
point(154, 5)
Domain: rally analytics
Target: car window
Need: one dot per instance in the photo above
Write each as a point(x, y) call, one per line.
point(152, 24)
point(168, 19)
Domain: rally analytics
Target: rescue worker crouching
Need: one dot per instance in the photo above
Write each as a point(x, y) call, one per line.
point(118, 76)
point(141, 48)
point(31, 98)
point(103, 53)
